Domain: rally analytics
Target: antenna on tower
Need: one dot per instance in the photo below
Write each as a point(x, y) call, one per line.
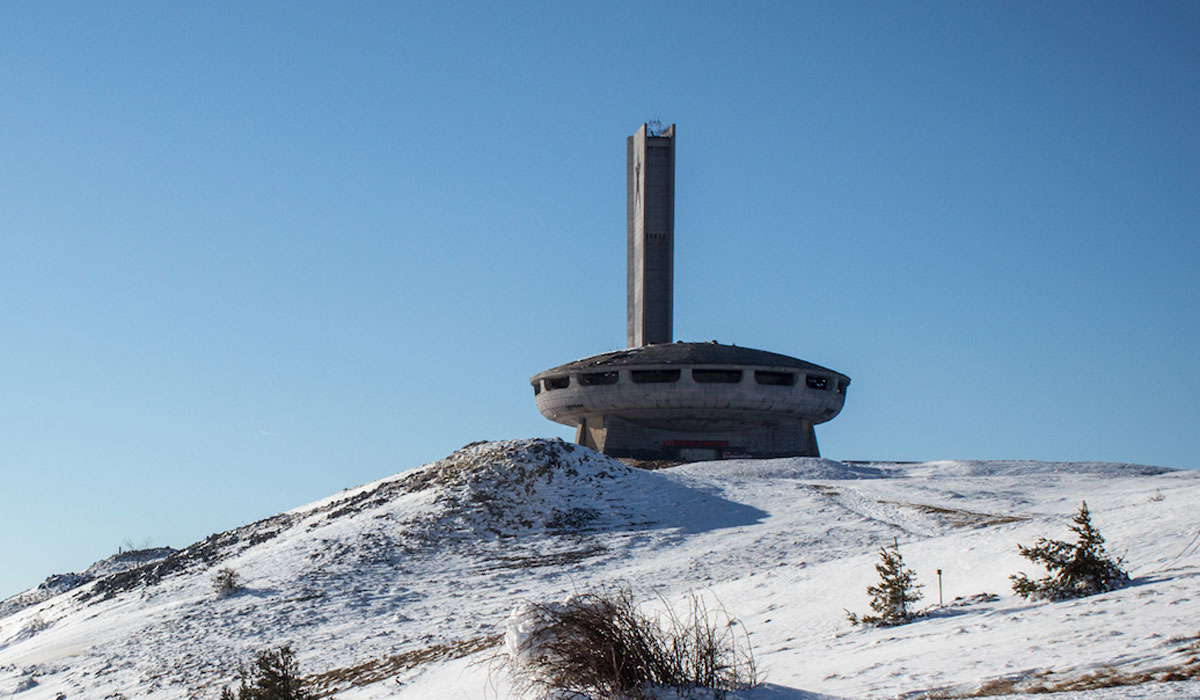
point(654, 127)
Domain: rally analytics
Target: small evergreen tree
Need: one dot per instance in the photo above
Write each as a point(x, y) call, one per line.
point(1076, 570)
point(895, 592)
point(226, 582)
point(275, 675)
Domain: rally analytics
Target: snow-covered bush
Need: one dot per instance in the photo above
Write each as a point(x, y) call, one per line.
point(34, 625)
point(26, 681)
point(1076, 570)
point(275, 675)
point(226, 582)
point(599, 644)
point(895, 592)
point(31, 626)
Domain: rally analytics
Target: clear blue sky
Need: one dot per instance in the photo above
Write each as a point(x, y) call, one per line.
point(251, 254)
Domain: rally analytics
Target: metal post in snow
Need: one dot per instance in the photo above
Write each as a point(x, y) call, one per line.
point(939, 588)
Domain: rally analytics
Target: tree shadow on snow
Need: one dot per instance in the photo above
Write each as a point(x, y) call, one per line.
point(1163, 575)
point(770, 691)
point(248, 592)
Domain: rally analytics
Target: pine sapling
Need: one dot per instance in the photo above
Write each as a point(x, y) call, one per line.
point(1076, 570)
point(226, 582)
point(275, 675)
point(896, 591)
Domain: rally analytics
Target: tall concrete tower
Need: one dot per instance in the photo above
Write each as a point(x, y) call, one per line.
point(650, 234)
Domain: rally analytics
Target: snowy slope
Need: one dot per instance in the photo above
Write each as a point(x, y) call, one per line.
point(399, 588)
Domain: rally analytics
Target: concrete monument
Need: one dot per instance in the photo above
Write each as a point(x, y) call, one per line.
point(659, 399)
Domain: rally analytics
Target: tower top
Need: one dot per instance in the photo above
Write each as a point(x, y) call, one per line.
point(654, 128)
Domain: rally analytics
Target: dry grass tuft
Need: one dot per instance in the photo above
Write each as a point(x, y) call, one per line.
point(330, 682)
point(1105, 677)
point(957, 517)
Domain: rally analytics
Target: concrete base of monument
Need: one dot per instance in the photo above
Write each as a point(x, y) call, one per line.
point(618, 437)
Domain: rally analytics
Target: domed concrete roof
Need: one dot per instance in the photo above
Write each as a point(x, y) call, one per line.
point(688, 354)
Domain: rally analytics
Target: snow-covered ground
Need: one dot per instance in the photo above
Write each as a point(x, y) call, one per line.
point(400, 588)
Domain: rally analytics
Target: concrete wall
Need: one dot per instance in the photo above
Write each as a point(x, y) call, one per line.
point(618, 437)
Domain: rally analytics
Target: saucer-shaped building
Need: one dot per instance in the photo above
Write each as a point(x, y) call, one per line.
point(659, 399)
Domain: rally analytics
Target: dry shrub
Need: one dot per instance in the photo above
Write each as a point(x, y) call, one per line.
point(599, 644)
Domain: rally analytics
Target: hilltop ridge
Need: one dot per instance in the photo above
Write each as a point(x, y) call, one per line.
point(393, 588)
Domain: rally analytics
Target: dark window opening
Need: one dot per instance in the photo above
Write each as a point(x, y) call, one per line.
point(774, 378)
point(537, 388)
point(654, 376)
point(817, 382)
point(597, 378)
point(717, 376)
point(842, 384)
point(552, 383)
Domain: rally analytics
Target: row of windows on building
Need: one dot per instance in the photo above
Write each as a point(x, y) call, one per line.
point(818, 382)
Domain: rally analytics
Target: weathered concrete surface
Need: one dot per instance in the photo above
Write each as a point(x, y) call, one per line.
point(650, 236)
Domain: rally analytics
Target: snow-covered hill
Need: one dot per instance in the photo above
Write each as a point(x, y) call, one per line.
point(400, 588)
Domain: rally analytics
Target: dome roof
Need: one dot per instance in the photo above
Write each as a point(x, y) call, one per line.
point(687, 354)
